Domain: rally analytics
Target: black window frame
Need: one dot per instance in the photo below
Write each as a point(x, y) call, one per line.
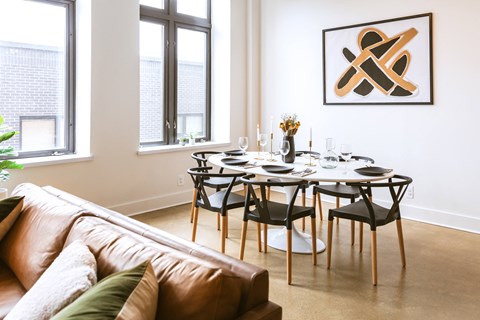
point(69, 127)
point(171, 20)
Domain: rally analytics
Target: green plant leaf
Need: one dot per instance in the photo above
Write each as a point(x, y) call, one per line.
point(8, 164)
point(8, 152)
point(1, 120)
point(7, 135)
point(4, 175)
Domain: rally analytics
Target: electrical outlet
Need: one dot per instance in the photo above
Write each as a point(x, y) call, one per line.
point(410, 192)
point(180, 179)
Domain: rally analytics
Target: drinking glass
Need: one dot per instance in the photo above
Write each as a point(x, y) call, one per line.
point(346, 153)
point(263, 141)
point(243, 143)
point(284, 147)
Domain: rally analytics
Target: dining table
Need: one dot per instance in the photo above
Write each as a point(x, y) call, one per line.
point(305, 167)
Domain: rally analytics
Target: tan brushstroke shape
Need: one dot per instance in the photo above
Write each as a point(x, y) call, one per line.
point(365, 54)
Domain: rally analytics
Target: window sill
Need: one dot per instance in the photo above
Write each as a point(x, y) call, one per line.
point(52, 160)
point(177, 148)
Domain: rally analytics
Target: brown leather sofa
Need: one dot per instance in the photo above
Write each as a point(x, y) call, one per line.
point(194, 282)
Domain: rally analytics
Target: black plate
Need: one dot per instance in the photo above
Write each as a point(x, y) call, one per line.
point(277, 169)
point(372, 171)
point(234, 153)
point(234, 161)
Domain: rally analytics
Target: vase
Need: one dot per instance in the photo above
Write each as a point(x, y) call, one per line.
point(329, 159)
point(290, 156)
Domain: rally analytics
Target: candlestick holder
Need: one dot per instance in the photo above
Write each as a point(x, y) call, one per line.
point(310, 162)
point(271, 149)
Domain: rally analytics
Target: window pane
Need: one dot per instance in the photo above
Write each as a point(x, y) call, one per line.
point(191, 83)
point(152, 70)
point(197, 8)
point(153, 3)
point(33, 71)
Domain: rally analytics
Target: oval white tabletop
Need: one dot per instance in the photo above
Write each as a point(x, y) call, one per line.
point(319, 174)
point(344, 172)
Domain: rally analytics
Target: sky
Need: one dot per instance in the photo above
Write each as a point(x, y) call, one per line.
point(32, 22)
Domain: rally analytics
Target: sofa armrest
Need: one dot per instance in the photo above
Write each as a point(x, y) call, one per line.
point(265, 311)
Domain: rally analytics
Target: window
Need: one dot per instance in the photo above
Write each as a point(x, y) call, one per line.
point(174, 70)
point(36, 74)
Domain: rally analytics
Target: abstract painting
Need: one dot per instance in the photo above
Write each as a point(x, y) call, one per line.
point(382, 62)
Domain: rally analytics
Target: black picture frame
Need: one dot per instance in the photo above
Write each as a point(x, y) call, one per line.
point(387, 62)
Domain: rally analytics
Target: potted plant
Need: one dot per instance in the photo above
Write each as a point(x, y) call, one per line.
point(7, 152)
point(182, 141)
point(191, 138)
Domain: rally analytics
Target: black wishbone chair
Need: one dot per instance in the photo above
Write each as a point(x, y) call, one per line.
point(365, 211)
point(304, 188)
point(344, 191)
point(220, 202)
point(216, 183)
point(275, 213)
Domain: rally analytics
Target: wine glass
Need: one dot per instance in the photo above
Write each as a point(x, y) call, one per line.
point(243, 143)
point(284, 148)
point(346, 153)
point(263, 141)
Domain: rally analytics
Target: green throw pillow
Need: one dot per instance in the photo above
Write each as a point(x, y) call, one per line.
point(10, 209)
point(129, 294)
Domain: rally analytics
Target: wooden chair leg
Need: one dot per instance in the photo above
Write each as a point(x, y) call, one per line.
point(218, 221)
point(320, 206)
point(329, 243)
point(303, 205)
point(352, 232)
point(242, 241)
point(289, 256)
point(360, 237)
point(373, 235)
point(226, 225)
point(265, 237)
point(259, 236)
point(224, 234)
point(194, 199)
point(314, 241)
point(244, 190)
point(337, 203)
point(195, 220)
point(268, 192)
point(400, 242)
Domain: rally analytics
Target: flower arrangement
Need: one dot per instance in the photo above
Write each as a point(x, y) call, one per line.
point(6, 152)
point(289, 124)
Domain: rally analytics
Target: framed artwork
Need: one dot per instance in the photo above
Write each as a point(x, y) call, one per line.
point(381, 62)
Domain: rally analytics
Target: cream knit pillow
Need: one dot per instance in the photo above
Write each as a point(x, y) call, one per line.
point(72, 273)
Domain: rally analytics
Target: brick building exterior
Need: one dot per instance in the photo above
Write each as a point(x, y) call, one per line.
point(30, 76)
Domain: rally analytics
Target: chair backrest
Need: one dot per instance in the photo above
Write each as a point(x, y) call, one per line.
point(200, 174)
point(202, 157)
point(397, 186)
point(261, 203)
point(313, 153)
point(363, 158)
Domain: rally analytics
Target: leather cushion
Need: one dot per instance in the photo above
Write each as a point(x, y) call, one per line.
point(11, 290)
point(129, 294)
point(38, 235)
point(189, 288)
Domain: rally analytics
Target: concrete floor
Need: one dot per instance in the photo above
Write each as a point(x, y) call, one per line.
point(441, 279)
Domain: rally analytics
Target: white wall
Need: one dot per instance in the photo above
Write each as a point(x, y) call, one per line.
point(118, 177)
point(436, 145)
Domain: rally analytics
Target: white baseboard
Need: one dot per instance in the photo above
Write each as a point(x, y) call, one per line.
point(436, 217)
point(426, 215)
point(154, 203)
point(157, 203)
